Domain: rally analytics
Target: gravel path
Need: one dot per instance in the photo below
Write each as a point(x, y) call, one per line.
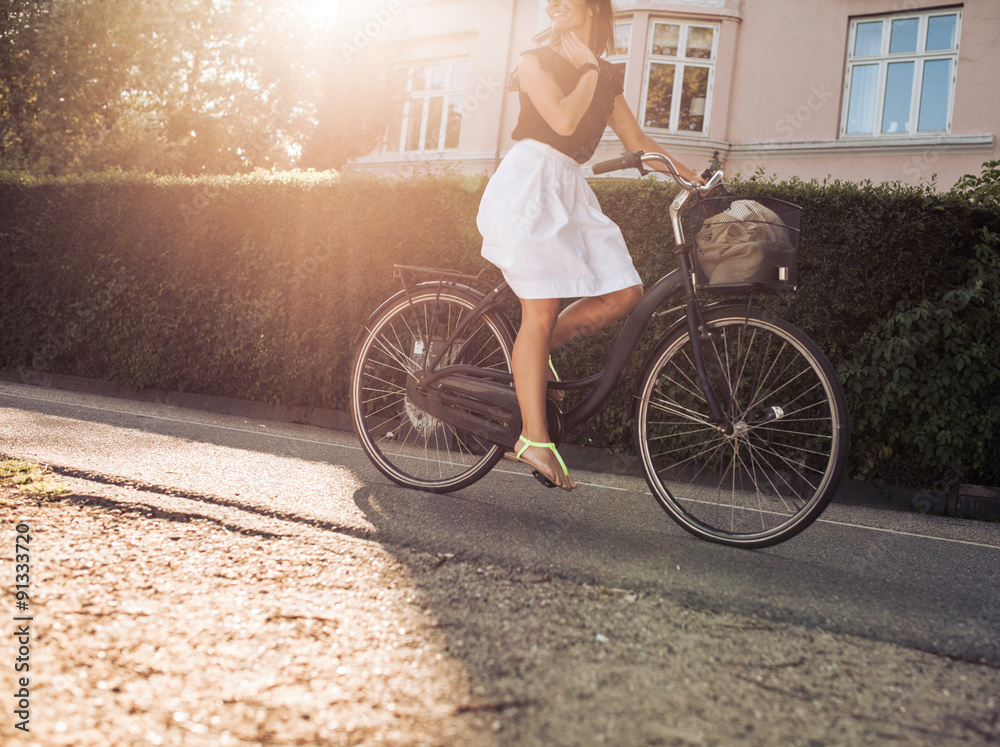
point(156, 626)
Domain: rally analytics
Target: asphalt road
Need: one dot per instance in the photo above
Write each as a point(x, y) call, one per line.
point(924, 582)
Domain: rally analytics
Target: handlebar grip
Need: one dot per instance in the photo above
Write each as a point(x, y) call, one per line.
point(624, 161)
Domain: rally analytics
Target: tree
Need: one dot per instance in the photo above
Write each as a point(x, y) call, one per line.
point(359, 91)
point(20, 22)
point(191, 86)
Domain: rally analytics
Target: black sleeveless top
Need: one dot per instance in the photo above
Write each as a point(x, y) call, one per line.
point(581, 145)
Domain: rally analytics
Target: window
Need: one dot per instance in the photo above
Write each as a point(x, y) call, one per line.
point(679, 70)
point(431, 117)
point(901, 74)
point(623, 43)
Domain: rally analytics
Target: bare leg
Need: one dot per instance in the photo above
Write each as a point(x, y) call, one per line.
point(591, 314)
point(531, 365)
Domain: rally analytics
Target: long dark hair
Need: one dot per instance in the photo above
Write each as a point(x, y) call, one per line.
point(603, 41)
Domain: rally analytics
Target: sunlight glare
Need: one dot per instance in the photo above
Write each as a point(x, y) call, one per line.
point(321, 10)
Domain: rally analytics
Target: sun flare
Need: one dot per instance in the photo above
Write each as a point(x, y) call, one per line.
point(321, 10)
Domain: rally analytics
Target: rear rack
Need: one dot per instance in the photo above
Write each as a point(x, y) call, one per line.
point(406, 273)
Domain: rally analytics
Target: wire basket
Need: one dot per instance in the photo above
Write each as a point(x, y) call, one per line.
point(745, 244)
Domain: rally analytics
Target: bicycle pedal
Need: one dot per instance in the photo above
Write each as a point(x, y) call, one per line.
point(542, 479)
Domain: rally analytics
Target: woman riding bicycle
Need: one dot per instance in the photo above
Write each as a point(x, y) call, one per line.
point(542, 224)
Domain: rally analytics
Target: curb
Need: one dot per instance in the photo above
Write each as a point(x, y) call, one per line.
point(316, 416)
point(973, 502)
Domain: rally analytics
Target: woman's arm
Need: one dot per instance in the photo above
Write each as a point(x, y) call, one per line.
point(627, 128)
point(562, 112)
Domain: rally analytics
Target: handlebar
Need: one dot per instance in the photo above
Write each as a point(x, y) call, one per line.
point(627, 160)
point(638, 160)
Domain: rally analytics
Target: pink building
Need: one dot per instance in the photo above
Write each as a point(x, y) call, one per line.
point(887, 90)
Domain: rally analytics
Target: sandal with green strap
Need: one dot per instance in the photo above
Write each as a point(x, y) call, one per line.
point(556, 395)
point(535, 473)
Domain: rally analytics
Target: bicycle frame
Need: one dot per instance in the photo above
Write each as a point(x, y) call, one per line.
point(601, 385)
point(492, 389)
point(741, 427)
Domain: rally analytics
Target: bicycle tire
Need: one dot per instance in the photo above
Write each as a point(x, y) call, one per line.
point(778, 470)
point(410, 447)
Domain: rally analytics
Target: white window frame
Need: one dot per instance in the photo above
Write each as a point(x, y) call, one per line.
point(884, 58)
point(409, 105)
point(680, 63)
point(622, 58)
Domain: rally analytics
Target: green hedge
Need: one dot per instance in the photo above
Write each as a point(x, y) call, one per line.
point(254, 287)
point(240, 287)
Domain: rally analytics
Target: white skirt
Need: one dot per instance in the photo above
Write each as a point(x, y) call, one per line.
point(543, 227)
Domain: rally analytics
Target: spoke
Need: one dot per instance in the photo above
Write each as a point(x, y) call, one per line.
point(772, 395)
point(691, 429)
point(673, 408)
point(392, 365)
point(396, 354)
point(380, 393)
point(690, 385)
point(692, 390)
point(761, 376)
point(395, 404)
point(423, 451)
point(754, 484)
point(732, 490)
point(709, 449)
point(478, 355)
point(797, 447)
point(699, 457)
point(395, 387)
point(820, 404)
point(768, 471)
point(757, 492)
point(796, 464)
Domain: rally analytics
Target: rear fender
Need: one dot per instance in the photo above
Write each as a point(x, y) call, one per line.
point(392, 300)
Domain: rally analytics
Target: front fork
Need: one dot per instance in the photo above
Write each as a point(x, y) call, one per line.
point(714, 384)
point(711, 375)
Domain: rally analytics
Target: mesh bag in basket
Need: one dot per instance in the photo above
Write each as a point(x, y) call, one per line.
point(743, 243)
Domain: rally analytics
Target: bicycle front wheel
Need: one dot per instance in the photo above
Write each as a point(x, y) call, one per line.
point(771, 469)
point(409, 446)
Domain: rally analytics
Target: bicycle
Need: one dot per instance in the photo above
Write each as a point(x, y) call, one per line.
point(740, 422)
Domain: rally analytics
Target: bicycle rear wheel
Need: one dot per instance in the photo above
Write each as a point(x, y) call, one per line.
point(776, 471)
point(406, 444)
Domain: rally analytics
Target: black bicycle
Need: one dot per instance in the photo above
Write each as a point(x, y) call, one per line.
point(740, 422)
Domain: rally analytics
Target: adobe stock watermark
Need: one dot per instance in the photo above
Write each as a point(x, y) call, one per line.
point(920, 165)
point(61, 341)
point(368, 32)
point(934, 500)
point(305, 269)
point(533, 210)
point(906, 6)
point(202, 199)
point(22, 630)
point(818, 97)
point(788, 126)
point(989, 615)
point(484, 90)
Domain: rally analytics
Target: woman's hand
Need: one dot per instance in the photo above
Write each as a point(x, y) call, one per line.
point(627, 128)
point(685, 172)
point(578, 53)
point(561, 111)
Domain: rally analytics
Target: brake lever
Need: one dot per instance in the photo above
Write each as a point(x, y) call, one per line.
point(640, 166)
point(714, 182)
